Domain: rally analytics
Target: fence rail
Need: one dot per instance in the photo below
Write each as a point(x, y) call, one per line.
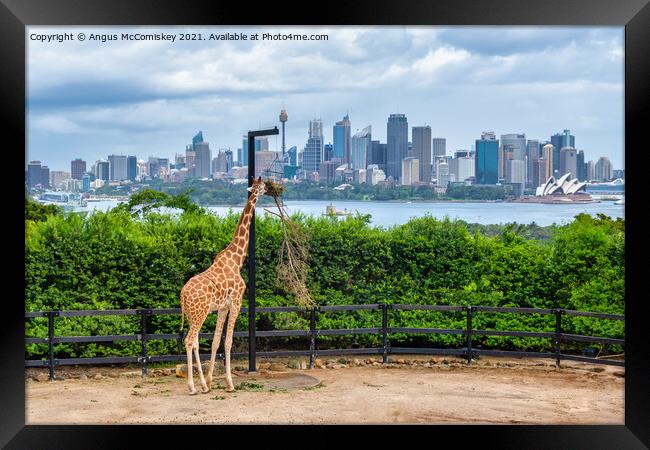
point(468, 351)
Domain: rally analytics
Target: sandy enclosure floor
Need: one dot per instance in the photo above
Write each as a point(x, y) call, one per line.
point(491, 391)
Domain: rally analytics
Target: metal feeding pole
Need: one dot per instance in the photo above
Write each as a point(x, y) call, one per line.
point(251, 247)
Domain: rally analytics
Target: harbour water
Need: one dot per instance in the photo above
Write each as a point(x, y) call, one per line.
point(387, 214)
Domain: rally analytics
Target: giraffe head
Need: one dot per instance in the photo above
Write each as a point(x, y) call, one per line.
point(258, 188)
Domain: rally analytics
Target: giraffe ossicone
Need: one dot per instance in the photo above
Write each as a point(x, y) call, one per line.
point(219, 288)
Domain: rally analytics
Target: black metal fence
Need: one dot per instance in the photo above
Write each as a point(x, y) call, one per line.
point(467, 351)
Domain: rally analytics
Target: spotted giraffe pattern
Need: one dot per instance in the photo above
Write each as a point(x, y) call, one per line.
point(219, 288)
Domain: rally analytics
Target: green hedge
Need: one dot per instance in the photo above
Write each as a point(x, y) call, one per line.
point(115, 260)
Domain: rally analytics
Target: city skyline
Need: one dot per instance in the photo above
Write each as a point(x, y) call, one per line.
point(146, 98)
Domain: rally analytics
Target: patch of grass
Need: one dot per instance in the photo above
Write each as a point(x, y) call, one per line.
point(136, 393)
point(219, 386)
point(246, 386)
point(284, 390)
point(93, 401)
point(218, 397)
point(137, 386)
point(318, 386)
point(165, 390)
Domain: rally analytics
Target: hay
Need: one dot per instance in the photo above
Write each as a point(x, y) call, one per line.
point(293, 258)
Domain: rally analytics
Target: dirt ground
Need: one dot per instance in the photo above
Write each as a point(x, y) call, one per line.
point(416, 390)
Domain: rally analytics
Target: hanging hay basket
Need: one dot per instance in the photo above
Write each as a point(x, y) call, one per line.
point(293, 258)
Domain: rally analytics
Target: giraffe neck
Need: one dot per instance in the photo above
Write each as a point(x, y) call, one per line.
point(239, 244)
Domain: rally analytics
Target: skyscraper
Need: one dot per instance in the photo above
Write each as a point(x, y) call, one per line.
point(34, 173)
point(219, 163)
point(515, 143)
point(85, 182)
point(444, 176)
point(229, 160)
point(378, 155)
point(463, 166)
point(410, 171)
point(513, 146)
point(261, 144)
point(591, 171)
point(438, 147)
point(293, 156)
point(190, 161)
point(117, 167)
point(516, 171)
point(533, 150)
point(542, 172)
point(328, 152)
point(198, 138)
point(396, 144)
point(131, 167)
point(283, 119)
point(548, 153)
point(265, 161)
point(422, 151)
point(603, 169)
point(77, 168)
point(57, 177)
point(327, 171)
point(566, 139)
point(360, 148)
point(203, 157)
point(568, 161)
point(102, 170)
point(582, 168)
point(153, 167)
point(342, 139)
point(487, 159)
point(179, 161)
point(313, 153)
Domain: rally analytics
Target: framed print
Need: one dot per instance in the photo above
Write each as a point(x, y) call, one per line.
point(389, 214)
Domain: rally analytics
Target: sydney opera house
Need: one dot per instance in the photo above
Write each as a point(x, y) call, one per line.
point(562, 190)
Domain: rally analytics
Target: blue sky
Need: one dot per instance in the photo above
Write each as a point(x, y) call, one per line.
point(148, 98)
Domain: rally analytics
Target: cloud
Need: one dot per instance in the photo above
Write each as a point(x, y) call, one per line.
point(153, 96)
point(54, 124)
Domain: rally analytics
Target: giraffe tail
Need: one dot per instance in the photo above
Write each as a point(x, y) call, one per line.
point(182, 312)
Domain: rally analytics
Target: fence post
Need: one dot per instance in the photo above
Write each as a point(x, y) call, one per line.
point(50, 341)
point(469, 310)
point(312, 337)
point(384, 331)
point(558, 332)
point(144, 313)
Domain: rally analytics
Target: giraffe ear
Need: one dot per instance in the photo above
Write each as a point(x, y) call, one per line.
point(259, 179)
point(250, 189)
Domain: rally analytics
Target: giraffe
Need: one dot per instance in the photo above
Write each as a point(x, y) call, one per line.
point(219, 288)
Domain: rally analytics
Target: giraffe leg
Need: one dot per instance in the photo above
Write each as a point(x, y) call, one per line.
point(234, 312)
point(204, 386)
point(221, 318)
point(189, 343)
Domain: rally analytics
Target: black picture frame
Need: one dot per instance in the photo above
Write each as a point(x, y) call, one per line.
point(634, 15)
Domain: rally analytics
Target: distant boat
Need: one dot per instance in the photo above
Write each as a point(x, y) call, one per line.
point(331, 210)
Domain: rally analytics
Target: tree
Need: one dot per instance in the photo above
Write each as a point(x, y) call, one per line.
point(37, 212)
